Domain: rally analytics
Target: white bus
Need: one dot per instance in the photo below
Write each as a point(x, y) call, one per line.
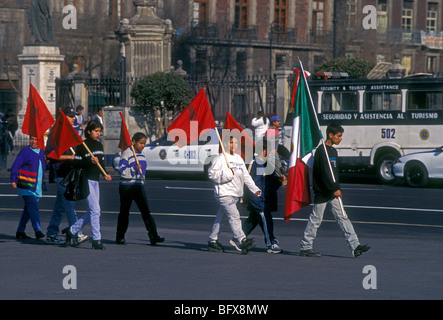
point(383, 119)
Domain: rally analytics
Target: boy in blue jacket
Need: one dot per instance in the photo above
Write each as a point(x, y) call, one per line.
point(260, 207)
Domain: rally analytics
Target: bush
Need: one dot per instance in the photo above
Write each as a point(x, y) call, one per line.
point(170, 88)
point(357, 68)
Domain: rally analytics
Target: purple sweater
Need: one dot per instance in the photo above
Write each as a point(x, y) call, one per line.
point(24, 171)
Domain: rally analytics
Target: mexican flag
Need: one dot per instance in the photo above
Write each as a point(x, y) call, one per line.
point(306, 136)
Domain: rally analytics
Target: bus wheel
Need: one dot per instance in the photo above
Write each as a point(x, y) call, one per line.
point(384, 168)
point(416, 175)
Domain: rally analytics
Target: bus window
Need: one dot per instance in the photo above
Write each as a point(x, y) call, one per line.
point(336, 101)
point(382, 101)
point(425, 100)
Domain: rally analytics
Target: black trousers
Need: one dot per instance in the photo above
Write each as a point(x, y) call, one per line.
point(127, 195)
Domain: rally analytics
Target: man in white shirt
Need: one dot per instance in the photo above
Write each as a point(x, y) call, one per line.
point(261, 124)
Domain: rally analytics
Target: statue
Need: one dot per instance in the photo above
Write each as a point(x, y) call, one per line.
point(40, 21)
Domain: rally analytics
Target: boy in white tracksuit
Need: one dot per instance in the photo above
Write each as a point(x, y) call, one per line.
point(228, 189)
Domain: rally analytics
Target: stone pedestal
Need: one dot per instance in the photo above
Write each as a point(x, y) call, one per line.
point(40, 66)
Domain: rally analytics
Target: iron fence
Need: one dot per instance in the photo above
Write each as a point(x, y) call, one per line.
point(242, 97)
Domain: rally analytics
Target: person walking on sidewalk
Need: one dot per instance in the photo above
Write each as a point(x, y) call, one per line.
point(228, 189)
point(89, 164)
point(132, 188)
point(260, 207)
point(327, 195)
point(27, 176)
point(60, 169)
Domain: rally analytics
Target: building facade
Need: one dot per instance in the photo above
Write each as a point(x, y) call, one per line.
point(234, 37)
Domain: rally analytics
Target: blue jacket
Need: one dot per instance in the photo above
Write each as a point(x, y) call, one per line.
point(24, 171)
point(269, 184)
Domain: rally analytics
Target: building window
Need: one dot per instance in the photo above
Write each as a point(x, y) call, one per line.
point(281, 13)
point(382, 16)
point(352, 13)
point(115, 8)
point(431, 64)
point(241, 63)
point(241, 14)
point(431, 17)
point(319, 17)
point(407, 16)
point(200, 12)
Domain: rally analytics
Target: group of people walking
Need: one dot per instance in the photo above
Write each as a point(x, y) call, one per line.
point(254, 185)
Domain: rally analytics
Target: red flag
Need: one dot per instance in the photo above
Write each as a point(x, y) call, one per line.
point(125, 138)
point(199, 113)
point(246, 148)
point(63, 136)
point(38, 119)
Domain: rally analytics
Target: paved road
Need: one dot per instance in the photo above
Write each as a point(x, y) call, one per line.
point(404, 227)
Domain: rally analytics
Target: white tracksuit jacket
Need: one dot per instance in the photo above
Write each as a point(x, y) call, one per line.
point(227, 184)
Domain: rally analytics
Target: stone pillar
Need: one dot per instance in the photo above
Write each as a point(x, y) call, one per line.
point(145, 41)
point(40, 66)
point(283, 94)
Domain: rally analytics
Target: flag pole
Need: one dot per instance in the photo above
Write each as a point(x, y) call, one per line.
point(322, 139)
point(223, 148)
point(101, 168)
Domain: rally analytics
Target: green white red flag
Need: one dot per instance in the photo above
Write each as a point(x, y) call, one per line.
point(306, 136)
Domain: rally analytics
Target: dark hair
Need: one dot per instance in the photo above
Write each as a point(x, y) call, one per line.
point(92, 125)
point(138, 136)
point(334, 128)
point(79, 107)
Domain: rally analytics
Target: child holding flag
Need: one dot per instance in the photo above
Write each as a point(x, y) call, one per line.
point(228, 189)
point(90, 157)
point(132, 169)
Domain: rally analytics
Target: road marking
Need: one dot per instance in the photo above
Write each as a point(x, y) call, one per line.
point(394, 208)
point(14, 195)
point(189, 188)
point(192, 215)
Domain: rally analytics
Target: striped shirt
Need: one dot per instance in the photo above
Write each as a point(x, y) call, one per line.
point(129, 174)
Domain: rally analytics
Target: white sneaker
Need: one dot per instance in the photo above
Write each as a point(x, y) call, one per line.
point(54, 240)
point(234, 244)
point(81, 238)
point(274, 248)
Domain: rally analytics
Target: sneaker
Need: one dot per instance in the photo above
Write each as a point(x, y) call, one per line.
point(39, 235)
point(360, 249)
point(233, 243)
point(120, 241)
point(81, 238)
point(309, 253)
point(215, 246)
point(274, 248)
point(156, 239)
point(22, 235)
point(97, 245)
point(247, 245)
point(70, 238)
point(55, 239)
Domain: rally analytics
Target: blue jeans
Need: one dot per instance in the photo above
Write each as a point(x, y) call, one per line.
point(92, 214)
point(61, 206)
point(30, 211)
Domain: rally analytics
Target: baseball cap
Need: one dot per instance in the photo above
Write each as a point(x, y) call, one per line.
point(275, 118)
point(68, 111)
